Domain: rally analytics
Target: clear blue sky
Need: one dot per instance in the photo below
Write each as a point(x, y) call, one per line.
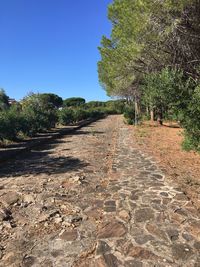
point(51, 46)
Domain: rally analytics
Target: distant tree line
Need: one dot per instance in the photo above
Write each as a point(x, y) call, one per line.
point(40, 112)
point(152, 59)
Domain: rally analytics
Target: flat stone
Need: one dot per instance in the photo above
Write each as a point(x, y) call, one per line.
point(173, 234)
point(110, 209)
point(102, 248)
point(10, 198)
point(157, 176)
point(133, 263)
point(143, 215)
point(111, 260)
point(124, 215)
point(143, 239)
point(181, 197)
point(28, 261)
point(165, 194)
point(69, 235)
point(110, 203)
point(28, 198)
point(181, 252)
point(141, 253)
point(47, 263)
point(57, 253)
point(197, 245)
point(112, 229)
point(108, 260)
point(155, 230)
point(187, 237)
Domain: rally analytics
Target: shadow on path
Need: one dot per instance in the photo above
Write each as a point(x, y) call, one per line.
point(40, 161)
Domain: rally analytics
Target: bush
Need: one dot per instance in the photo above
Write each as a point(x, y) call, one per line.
point(129, 114)
point(80, 114)
point(40, 114)
point(10, 124)
point(66, 116)
point(191, 123)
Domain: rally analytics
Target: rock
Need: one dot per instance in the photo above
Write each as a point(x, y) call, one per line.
point(28, 199)
point(110, 209)
point(71, 219)
point(102, 248)
point(141, 253)
point(110, 203)
point(10, 198)
point(143, 215)
point(197, 245)
point(57, 220)
point(143, 239)
point(7, 224)
point(181, 251)
point(173, 234)
point(43, 218)
point(112, 229)
point(1, 252)
point(28, 261)
point(69, 235)
point(133, 263)
point(155, 230)
point(108, 260)
point(187, 237)
point(124, 215)
point(5, 214)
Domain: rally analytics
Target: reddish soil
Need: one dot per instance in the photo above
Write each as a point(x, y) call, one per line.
point(181, 167)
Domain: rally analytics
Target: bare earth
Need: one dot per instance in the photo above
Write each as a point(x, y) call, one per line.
point(94, 199)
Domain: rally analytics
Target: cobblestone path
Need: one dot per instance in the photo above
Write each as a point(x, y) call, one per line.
point(94, 200)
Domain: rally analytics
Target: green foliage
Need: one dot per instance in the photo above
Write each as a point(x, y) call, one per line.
point(191, 122)
point(129, 114)
point(40, 113)
point(73, 102)
point(73, 115)
point(52, 99)
point(10, 124)
point(4, 104)
point(95, 104)
point(66, 116)
point(115, 106)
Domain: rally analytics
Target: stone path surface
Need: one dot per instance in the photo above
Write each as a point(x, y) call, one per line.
point(93, 199)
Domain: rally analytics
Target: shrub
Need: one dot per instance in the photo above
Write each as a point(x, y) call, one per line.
point(129, 114)
point(40, 114)
point(191, 122)
point(80, 114)
point(10, 124)
point(66, 116)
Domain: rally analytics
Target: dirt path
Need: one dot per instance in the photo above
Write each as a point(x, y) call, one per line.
point(93, 200)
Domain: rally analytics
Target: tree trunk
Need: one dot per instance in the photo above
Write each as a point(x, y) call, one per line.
point(160, 117)
point(147, 111)
point(152, 114)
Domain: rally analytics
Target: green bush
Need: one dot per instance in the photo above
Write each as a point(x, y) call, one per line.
point(10, 124)
point(39, 113)
point(66, 116)
point(80, 114)
point(191, 122)
point(129, 114)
